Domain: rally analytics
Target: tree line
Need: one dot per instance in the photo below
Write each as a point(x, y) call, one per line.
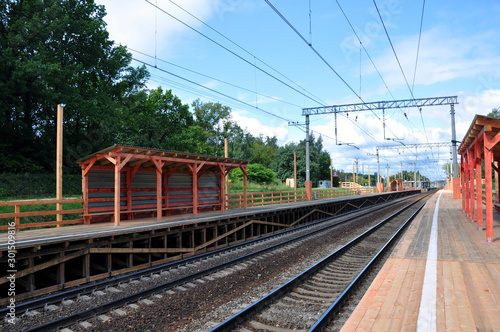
point(59, 52)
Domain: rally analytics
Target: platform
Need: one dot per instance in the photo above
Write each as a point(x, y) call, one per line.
point(53, 259)
point(68, 233)
point(458, 291)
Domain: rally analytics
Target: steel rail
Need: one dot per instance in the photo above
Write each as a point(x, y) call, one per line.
point(88, 289)
point(253, 309)
point(334, 309)
point(106, 307)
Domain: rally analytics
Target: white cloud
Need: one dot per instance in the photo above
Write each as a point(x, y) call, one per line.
point(443, 56)
point(133, 23)
point(256, 128)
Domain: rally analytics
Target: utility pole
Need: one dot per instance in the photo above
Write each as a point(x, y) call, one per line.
point(308, 168)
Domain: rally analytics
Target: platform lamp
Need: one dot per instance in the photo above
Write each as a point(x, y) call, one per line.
point(59, 158)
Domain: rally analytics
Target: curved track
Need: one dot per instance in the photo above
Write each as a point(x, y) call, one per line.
point(311, 299)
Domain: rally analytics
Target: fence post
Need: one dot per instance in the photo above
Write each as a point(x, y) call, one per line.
point(17, 210)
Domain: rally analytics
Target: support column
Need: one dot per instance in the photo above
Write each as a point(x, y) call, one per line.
point(195, 188)
point(488, 159)
point(117, 192)
point(479, 186)
point(85, 194)
point(129, 193)
point(308, 169)
point(159, 194)
point(244, 169)
point(471, 185)
point(462, 180)
point(466, 190)
point(222, 196)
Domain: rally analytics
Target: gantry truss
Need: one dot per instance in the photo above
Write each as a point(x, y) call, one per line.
point(381, 105)
point(420, 145)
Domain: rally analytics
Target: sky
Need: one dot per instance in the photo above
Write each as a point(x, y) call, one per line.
point(269, 63)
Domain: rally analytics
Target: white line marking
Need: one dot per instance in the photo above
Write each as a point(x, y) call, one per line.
point(427, 313)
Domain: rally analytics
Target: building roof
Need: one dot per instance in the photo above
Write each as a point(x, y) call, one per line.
point(144, 157)
point(475, 129)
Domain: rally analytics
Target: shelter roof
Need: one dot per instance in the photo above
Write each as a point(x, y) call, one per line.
point(477, 128)
point(146, 157)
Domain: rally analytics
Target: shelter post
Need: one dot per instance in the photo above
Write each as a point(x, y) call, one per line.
point(479, 186)
point(159, 198)
point(462, 180)
point(194, 168)
point(117, 191)
point(244, 169)
point(467, 181)
point(471, 185)
point(222, 177)
point(488, 159)
point(85, 194)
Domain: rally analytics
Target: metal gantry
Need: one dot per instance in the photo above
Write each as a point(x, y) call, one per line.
point(382, 105)
point(409, 146)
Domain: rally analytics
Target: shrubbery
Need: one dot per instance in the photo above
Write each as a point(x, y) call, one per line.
point(255, 173)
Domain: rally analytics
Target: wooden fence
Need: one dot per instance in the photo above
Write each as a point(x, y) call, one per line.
point(23, 211)
point(38, 208)
point(236, 200)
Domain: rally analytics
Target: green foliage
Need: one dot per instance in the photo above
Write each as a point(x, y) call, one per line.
point(29, 185)
point(495, 112)
point(58, 52)
point(255, 173)
point(319, 162)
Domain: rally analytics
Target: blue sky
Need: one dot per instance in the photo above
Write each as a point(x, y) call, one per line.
point(459, 55)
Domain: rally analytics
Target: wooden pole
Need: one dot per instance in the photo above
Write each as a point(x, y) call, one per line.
point(295, 174)
point(59, 153)
point(369, 178)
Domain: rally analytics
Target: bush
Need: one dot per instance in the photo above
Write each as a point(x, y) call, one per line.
point(255, 173)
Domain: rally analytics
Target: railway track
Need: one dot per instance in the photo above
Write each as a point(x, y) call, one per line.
point(310, 301)
point(224, 255)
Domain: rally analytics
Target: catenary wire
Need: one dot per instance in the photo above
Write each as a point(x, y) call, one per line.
point(234, 53)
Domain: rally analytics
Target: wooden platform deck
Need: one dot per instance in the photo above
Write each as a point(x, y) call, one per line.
point(460, 291)
point(50, 235)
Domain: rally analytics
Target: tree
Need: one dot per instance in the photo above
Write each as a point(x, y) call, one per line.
point(158, 119)
point(58, 52)
point(213, 123)
point(495, 112)
point(319, 162)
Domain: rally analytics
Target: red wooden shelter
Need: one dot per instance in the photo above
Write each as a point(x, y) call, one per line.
point(134, 181)
point(480, 143)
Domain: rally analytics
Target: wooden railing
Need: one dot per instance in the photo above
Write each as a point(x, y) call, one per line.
point(337, 192)
point(236, 200)
point(25, 210)
point(42, 212)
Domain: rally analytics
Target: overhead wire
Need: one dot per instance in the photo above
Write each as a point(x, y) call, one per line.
point(320, 56)
point(399, 63)
point(369, 57)
point(215, 79)
point(242, 48)
point(232, 52)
